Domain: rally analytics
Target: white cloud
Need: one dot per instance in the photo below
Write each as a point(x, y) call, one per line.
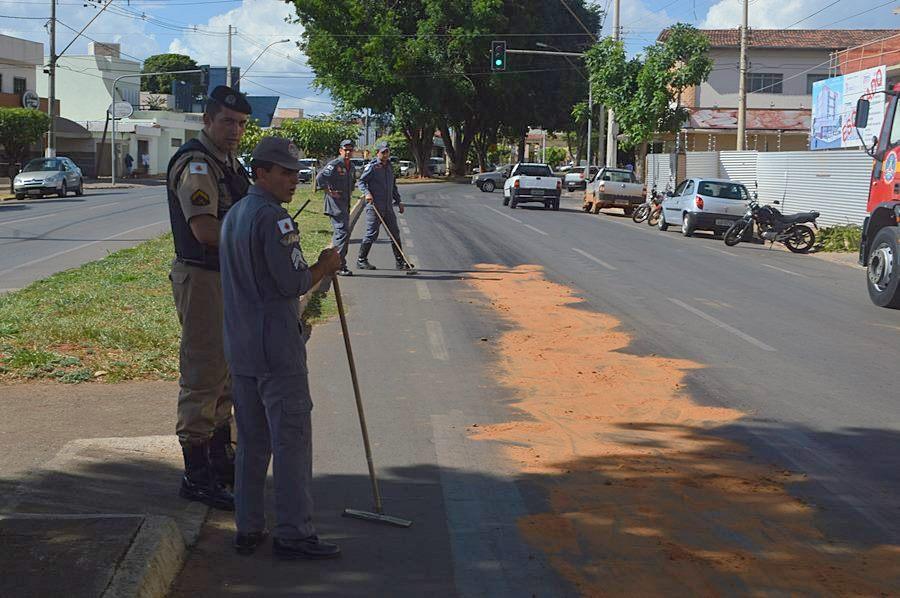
point(259, 23)
point(762, 14)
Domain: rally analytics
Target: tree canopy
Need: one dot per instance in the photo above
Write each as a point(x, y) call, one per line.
point(163, 63)
point(19, 129)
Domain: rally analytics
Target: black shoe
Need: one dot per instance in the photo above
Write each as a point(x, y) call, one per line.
point(401, 265)
point(345, 271)
point(248, 543)
point(199, 482)
point(307, 548)
point(365, 265)
point(221, 455)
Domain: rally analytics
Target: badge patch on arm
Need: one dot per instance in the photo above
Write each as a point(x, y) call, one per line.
point(285, 226)
point(298, 260)
point(289, 239)
point(200, 198)
point(198, 168)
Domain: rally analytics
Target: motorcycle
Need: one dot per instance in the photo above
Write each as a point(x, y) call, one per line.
point(649, 209)
point(773, 226)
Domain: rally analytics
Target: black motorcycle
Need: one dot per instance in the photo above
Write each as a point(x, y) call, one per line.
point(774, 226)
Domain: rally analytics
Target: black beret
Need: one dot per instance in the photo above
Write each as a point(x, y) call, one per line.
point(231, 99)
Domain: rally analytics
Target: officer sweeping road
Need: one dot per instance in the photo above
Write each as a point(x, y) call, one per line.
point(204, 179)
point(380, 190)
point(338, 180)
point(263, 274)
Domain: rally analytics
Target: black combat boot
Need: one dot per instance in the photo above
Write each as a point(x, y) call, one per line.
point(199, 482)
point(221, 455)
point(362, 262)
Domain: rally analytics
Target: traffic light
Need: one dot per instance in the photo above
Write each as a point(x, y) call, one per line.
point(498, 56)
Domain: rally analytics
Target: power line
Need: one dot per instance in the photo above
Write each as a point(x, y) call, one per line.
point(813, 14)
point(857, 14)
point(575, 16)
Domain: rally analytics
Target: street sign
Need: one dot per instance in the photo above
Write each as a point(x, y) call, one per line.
point(498, 56)
point(31, 100)
point(120, 110)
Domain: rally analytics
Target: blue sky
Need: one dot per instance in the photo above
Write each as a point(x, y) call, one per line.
point(146, 27)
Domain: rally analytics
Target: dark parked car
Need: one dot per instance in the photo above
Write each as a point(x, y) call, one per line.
point(488, 181)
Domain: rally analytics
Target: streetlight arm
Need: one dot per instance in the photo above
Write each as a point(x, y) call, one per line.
point(258, 56)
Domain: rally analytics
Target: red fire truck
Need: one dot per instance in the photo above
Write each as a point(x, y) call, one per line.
point(879, 251)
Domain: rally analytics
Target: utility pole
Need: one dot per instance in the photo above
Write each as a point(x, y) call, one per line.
point(742, 84)
point(51, 108)
point(590, 114)
point(228, 67)
point(612, 149)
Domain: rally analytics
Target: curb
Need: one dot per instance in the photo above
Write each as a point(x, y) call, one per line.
point(152, 562)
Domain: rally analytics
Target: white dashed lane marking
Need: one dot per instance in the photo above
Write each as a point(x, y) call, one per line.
point(436, 340)
point(594, 259)
point(753, 341)
point(786, 271)
point(422, 290)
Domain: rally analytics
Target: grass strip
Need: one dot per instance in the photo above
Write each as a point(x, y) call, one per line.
point(114, 319)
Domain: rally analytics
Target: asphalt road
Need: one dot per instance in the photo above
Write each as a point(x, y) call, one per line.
point(42, 236)
point(790, 340)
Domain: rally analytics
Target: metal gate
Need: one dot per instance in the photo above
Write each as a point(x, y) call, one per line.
point(834, 183)
point(660, 172)
point(738, 166)
point(701, 164)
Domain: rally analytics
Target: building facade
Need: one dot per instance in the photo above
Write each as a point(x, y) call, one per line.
point(19, 60)
point(782, 67)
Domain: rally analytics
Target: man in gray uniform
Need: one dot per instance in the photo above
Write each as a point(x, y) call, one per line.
point(338, 181)
point(263, 274)
point(380, 190)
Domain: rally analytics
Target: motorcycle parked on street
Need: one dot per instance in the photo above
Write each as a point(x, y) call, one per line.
point(773, 226)
point(649, 209)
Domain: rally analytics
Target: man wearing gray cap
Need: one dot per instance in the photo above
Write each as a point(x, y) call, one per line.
point(380, 190)
point(263, 273)
point(338, 180)
point(204, 179)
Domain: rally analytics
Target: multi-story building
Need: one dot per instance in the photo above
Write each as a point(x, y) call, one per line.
point(783, 65)
point(18, 60)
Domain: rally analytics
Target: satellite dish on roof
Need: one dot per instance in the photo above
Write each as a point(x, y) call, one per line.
point(119, 110)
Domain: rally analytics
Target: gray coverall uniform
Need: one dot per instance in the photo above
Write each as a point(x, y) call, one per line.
point(338, 180)
point(378, 180)
point(263, 274)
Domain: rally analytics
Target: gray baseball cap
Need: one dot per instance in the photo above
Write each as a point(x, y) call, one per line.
point(384, 145)
point(277, 150)
point(347, 142)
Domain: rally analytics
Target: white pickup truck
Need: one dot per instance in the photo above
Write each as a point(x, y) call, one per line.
point(534, 183)
point(613, 188)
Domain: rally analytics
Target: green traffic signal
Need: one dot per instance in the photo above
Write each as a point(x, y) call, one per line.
point(498, 53)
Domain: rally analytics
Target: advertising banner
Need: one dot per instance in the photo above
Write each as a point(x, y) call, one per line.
point(834, 108)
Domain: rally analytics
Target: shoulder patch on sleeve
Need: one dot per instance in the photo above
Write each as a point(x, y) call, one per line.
point(328, 170)
point(200, 198)
point(285, 226)
point(199, 168)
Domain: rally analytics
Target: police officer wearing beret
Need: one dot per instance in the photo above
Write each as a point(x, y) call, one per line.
point(263, 273)
point(338, 180)
point(380, 190)
point(204, 179)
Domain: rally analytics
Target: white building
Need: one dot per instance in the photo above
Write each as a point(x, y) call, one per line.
point(84, 84)
point(19, 60)
point(783, 65)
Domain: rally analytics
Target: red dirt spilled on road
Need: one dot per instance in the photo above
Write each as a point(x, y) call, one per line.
point(644, 498)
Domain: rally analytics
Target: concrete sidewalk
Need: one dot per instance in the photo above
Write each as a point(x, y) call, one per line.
point(82, 515)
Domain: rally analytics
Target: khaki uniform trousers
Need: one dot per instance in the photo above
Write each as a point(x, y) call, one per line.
point(204, 402)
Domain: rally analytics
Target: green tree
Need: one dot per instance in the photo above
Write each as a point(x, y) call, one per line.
point(159, 63)
point(318, 137)
point(19, 128)
point(252, 135)
point(645, 91)
point(555, 156)
point(399, 145)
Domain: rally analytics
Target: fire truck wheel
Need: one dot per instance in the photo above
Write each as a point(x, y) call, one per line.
point(883, 269)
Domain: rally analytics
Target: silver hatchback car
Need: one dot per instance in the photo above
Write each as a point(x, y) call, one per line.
point(46, 176)
point(704, 204)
